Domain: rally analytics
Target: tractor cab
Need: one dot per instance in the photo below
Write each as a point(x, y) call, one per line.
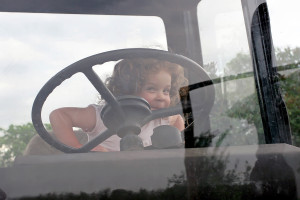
point(239, 101)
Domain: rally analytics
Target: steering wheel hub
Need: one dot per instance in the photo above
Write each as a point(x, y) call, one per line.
point(136, 109)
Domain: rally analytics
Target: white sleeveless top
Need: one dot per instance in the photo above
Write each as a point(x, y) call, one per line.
point(113, 142)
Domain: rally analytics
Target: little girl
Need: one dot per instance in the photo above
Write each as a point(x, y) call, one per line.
point(158, 82)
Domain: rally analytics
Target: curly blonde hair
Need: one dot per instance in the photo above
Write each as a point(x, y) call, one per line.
point(129, 76)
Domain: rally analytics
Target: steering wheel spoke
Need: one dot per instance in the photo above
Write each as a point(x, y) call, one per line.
point(104, 91)
point(161, 113)
point(93, 143)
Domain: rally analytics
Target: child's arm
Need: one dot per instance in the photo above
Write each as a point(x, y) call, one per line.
point(64, 119)
point(177, 121)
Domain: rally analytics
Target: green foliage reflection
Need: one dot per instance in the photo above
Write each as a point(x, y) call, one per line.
point(14, 141)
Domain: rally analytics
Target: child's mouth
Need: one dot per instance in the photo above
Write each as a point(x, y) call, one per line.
point(156, 108)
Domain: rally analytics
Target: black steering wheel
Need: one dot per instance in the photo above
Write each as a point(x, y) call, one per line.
point(85, 65)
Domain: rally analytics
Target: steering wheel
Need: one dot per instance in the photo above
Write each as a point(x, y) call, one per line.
point(85, 65)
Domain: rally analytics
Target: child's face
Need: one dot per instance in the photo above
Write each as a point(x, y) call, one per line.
point(156, 90)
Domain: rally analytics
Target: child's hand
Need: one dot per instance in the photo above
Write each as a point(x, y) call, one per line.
point(177, 121)
point(100, 148)
point(97, 148)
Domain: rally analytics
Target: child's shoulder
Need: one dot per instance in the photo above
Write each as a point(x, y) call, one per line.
point(97, 107)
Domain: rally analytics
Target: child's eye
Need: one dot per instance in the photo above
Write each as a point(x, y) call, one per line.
point(166, 91)
point(150, 89)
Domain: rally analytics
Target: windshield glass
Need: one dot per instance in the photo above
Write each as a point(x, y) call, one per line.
point(285, 33)
point(235, 116)
point(34, 47)
point(149, 99)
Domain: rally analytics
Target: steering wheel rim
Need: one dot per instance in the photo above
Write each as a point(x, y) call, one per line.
point(85, 66)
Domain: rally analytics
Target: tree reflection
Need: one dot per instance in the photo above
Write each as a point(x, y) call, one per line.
point(209, 175)
point(273, 177)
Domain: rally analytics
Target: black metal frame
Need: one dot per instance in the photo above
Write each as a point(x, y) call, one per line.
point(272, 107)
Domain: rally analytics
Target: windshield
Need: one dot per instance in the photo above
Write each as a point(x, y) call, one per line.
point(226, 55)
point(287, 51)
point(37, 46)
point(150, 98)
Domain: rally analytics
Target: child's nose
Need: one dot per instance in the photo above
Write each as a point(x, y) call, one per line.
point(160, 95)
